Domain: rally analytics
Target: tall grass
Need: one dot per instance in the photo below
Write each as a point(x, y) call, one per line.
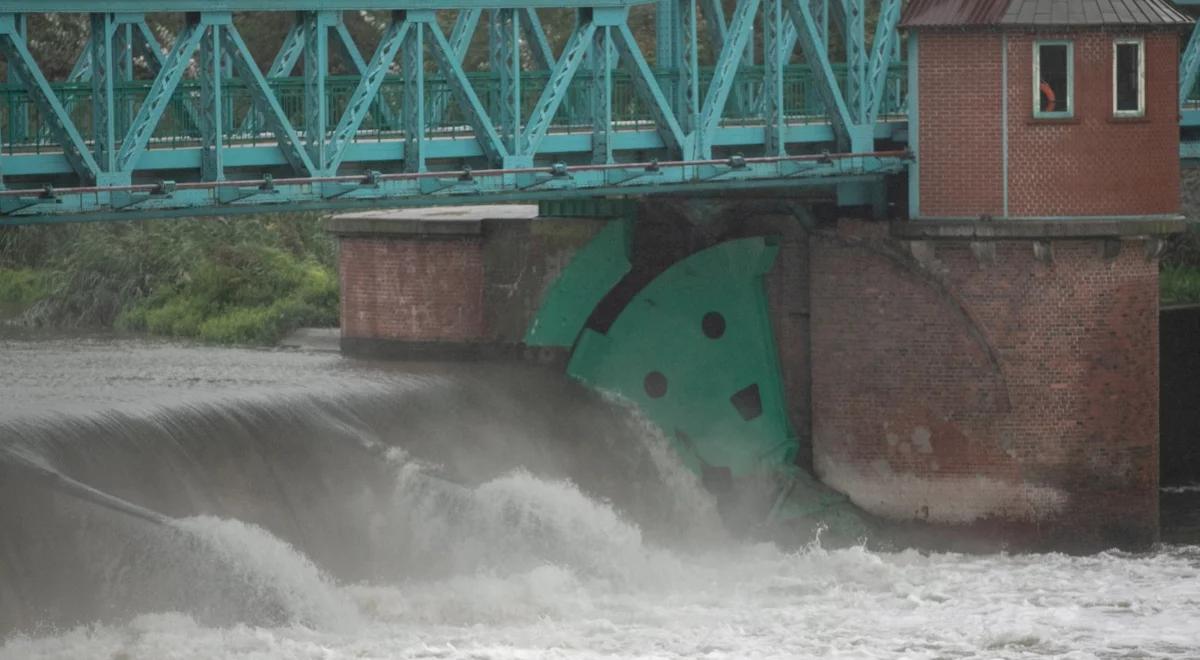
point(233, 281)
point(1179, 284)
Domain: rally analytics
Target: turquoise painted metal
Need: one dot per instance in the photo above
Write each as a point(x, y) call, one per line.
point(595, 270)
point(141, 128)
point(695, 351)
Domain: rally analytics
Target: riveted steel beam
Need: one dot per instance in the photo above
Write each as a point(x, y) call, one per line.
point(854, 30)
point(1189, 68)
point(883, 50)
point(211, 69)
point(647, 87)
point(366, 94)
point(774, 61)
point(450, 66)
point(104, 99)
point(316, 75)
point(504, 54)
point(15, 50)
point(465, 24)
point(535, 36)
point(601, 95)
point(725, 72)
point(556, 88)
point(143, 124)
point(823, 76)
point(413, 111)
point(266, 103)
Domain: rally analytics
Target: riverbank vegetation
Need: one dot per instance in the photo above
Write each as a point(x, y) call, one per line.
point(240, 281)
point(1179, 278)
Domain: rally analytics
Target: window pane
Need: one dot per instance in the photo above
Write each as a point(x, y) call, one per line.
point(1052, 61)
point(1128, 85)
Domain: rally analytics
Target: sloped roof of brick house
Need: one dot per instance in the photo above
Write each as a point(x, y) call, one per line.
point(1037, 13)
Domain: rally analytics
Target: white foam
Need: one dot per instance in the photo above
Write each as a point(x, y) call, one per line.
point(552, 573)
point(276, 570)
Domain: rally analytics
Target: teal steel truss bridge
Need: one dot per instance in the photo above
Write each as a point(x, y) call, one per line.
point(452, 101)
point(147, 124)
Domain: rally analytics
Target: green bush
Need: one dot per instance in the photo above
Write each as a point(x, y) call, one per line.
point(21, 287)
point(1179, 284)
point(231, 281)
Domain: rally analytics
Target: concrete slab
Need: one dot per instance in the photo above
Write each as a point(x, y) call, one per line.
point(325, 340)
point(1000, 229)
point(433, 221)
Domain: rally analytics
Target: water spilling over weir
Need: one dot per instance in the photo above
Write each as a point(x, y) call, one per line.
point(307, 516)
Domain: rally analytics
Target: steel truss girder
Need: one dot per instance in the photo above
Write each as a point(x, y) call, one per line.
point(151, 110)
point(818, 58)
point(258, 196)
point(101, 58)
point(468, 100)
point(316, 74)
point(211, 69)
point(651, 93)
point(366, 94)
point(413, 44)
point(465, 24)
point(882, 51)
point(774, 61)
point(556, 88)
point(504, 54)
point(266, 103)
point(15, 50)
point(854, 28)
point(601, 89)
point(1189, 67)
point(724, 75)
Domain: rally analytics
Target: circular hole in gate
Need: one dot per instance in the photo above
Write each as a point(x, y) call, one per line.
point(713, 325)
point(655, 384)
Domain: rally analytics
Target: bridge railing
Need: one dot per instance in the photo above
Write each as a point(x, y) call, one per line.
point(802, 103)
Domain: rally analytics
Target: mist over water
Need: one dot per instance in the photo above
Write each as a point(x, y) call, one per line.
point(322, 508)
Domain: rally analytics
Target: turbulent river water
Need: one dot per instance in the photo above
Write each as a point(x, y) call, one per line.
point(164, 501)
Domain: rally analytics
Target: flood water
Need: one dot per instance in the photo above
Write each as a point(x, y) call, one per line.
point(168, 501)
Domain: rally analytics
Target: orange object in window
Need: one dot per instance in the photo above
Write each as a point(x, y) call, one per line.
point(1048, 92)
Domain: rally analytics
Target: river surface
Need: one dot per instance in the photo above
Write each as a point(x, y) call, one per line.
point(170, 501)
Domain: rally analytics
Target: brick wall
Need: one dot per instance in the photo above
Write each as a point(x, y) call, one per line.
point(1015, 396)
point(472, 291)
point(1091, 164)
point(419, 290)
point(1095, 164)
point(960, 110)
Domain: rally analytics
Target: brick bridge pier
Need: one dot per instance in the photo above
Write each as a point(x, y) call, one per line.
point(983, 357)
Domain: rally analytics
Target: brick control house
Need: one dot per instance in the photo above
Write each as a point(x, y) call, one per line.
point(991, 362)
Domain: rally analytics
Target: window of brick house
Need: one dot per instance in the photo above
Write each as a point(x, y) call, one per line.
point(1053, 79)
point(1129, 78)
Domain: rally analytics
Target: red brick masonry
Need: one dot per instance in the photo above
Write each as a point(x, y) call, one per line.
point(418, 290)
point(1090, 165)
point(1015, 394)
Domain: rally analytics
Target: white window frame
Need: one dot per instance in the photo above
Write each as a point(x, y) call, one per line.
point(1069, 112)
point(1141, 46)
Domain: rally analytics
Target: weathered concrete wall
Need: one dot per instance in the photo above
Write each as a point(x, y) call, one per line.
point(1015, 396)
